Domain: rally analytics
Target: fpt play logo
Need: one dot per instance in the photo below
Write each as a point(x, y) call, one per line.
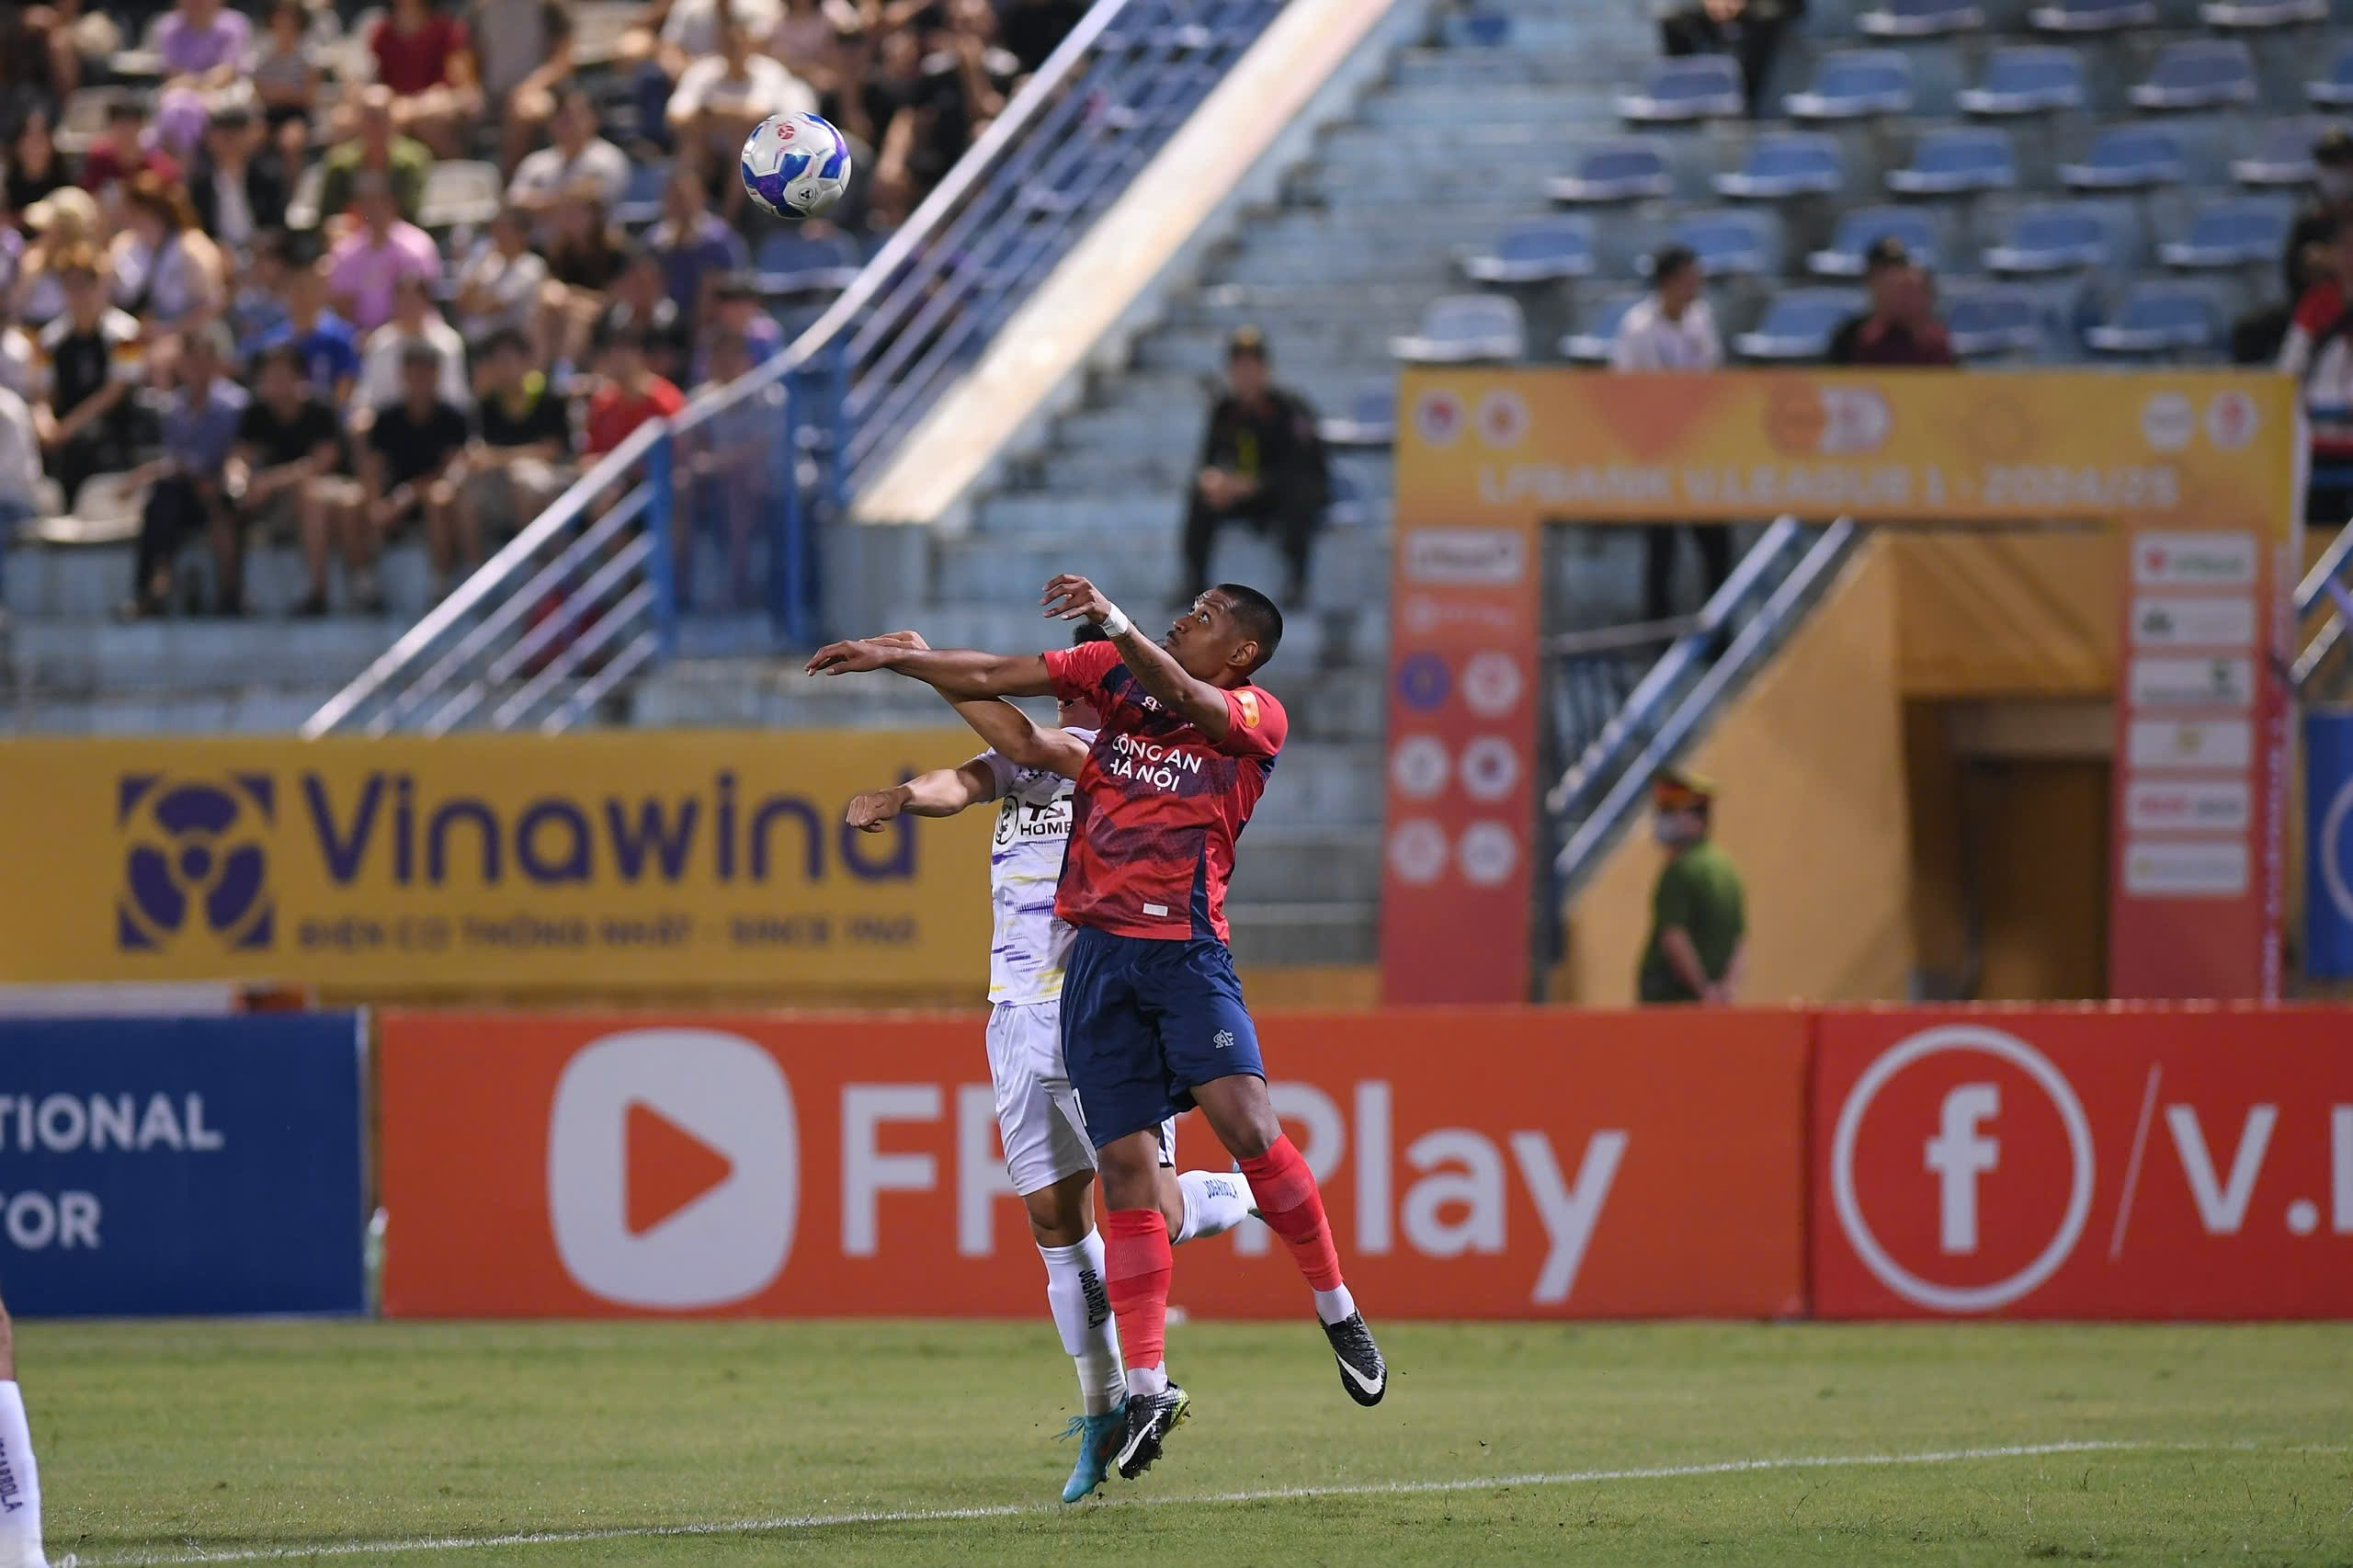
point(195, 862)
point(1985, 1165)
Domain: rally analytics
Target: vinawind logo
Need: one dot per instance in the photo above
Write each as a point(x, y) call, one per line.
point(194, 866)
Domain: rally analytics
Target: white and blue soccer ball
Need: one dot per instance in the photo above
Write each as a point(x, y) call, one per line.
point(796, 165)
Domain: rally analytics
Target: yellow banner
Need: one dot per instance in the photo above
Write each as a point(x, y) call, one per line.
point(1520, 448)
point(602, 863)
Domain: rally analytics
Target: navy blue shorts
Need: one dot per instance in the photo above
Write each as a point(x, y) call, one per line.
point(1143, 1021)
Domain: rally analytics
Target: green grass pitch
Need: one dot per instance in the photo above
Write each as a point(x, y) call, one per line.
point(537, 1445)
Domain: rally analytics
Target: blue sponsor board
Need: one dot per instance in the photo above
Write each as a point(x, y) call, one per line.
point(181, 1166)
point(2328, 844)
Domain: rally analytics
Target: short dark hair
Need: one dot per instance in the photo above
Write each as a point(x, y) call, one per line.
point(506, 337)
point(1086, 632)
point(417, 352)
point(1668, 260)
point(285, 354)
point(1256, 614)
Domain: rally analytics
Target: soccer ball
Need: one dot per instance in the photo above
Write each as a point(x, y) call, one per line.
point(796, 165)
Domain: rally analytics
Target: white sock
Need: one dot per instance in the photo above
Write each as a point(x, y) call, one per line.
point(1082, 1308)
point(1146, 1382)
point(1335, 1305)
point(20, 1485)
point(1215, 1201)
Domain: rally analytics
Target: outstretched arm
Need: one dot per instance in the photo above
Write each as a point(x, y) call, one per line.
point(1021, 741)
point(1155, 669)
point(942, 792)
point(957, 674)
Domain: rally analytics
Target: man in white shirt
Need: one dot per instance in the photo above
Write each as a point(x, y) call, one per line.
point(1674, 330)
point(579, 153)
point(719, 99)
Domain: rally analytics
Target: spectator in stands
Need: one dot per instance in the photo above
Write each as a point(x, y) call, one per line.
point(2331, 203)
point(1748, 30)
point(640, 304)
point(286, 81)
point(523, 53)
point(695, 247)
point(187, 492)
point(1673, 328)
point(1262, 465)
point(204, 46)
point(578, 158)
point(631, 395)
point(375, 147)
point(326, 344)
point(669, 35)
point(366, 265)
point(737, 313)
point(1900, 327)
point(256, 311)
point(63, 221)
point(282, 468)
point(85, 366)
point(727, 465)
point(584, 258)
point(407, 473)
point(167, 272)
point(20, 467)
point(424, 56)
point(35, 169)
point(808, 41)
point(1032, 29)
point(718, 99)
point(501, 283)
point(521, 457)
point(40, 62)
point(1698, 924)
point(125, 149)
point(384, 358)
point(239, 187)
point(2318, 353)
point(927, 107)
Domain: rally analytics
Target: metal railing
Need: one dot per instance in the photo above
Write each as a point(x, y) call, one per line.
point(841, 394)
point(2322, 582)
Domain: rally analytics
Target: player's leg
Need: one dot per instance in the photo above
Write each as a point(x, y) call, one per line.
point(19, 1481)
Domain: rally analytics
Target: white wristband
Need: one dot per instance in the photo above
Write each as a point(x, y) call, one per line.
point(1116, 622)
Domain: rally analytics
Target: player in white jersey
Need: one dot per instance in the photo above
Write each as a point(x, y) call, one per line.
point(20, 1482)
point(1047, 1150)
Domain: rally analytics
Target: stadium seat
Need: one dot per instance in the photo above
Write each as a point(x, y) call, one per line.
point(2251, 14)
point(1923, 19)
point(1698, 87)
point(1730, 241)
point(640, 203)
point(2235, 231)
point(107, 511)
point(1993, 319)
point(2128, 157)
point(2051, 237)
point(1616, 171)
point(1850, 83)
point(1786, 164)
point(1477, 30)
point(2334, 90)
point(2092, 15)
point(2280, 152)
point(459, 191)
point(1843, 257)
point(1462, 329)
point(2028, 79)
point(1798, 324)
point(1541, 252)
point(1592, 345)
point(1371, 421)
point(793, 261)
point(1957, 160)
point(2161, 317)
point(2200, 74)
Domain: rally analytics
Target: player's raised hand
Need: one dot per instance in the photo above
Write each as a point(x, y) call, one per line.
point(869, 812)
point(1070, 596)
point(850, 657)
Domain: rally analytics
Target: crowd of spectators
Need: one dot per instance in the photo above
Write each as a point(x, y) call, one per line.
point(223, 275)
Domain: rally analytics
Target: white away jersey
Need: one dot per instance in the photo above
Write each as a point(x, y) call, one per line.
point(1028, 944)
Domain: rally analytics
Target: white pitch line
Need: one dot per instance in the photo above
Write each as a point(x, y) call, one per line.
point(1021, 1510)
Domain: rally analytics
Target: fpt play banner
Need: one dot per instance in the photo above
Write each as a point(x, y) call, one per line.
point(1502, 1164)
point(2200, 467)
point(595, 863)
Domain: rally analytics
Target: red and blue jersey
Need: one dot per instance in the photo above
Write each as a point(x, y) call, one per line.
point(1159, 804)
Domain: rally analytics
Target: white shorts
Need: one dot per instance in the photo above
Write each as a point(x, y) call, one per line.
point(1037, 1112)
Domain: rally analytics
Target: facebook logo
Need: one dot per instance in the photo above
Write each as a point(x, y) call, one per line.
point(1957, 1156)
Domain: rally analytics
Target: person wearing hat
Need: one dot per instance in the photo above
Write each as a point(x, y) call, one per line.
point(1262, 465)
point(1699, 922)
point(1901, 328)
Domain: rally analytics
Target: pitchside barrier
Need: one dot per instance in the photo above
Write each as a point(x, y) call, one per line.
point(2093, 1162)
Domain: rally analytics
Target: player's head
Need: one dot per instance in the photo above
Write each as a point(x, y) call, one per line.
point(1081, 715)
point(1227, 634)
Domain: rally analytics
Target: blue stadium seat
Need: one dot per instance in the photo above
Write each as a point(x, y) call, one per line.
point(1923, 19)
point(1465, 329)
point(2161, 317)
point(2280, 152)
point(1698, 86)
point(2092, 15)
point(1856, 230)
point(1592, 344)
point(2234, 232)
point(1786, 164)
point(2334, 90)
point(793, 261)
point(1731, 241)
point(2251, 14)
point(1989, 320)
point(2029, 79)
point(640, 203)
point(2208, 73)
point(1617, 171)
point(1478, 29)
point(1956, 161)
point(1850, 83)
point(1371, 421)
point(2052, 237)
point(2128, 157)
point(1798, 324)
point(1540, 252)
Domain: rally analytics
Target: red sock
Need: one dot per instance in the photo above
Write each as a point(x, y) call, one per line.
point(1293, 1209)
point(1136, 1265)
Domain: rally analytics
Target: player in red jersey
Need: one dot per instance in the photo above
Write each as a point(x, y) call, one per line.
point(1153, 1018)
